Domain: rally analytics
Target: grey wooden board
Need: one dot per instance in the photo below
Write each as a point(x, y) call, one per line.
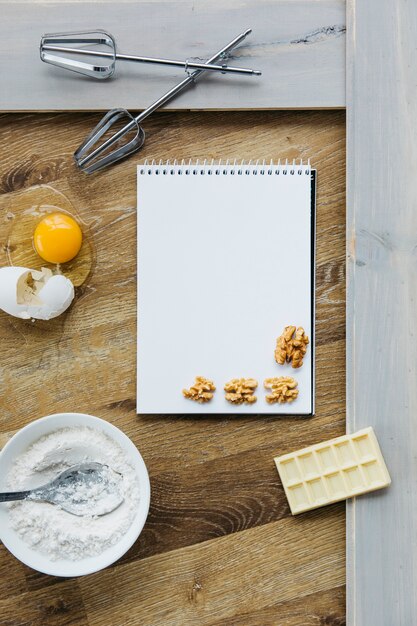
point(382, 303)
point(299, 45)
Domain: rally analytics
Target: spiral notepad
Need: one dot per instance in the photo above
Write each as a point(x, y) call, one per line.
point(225, 262)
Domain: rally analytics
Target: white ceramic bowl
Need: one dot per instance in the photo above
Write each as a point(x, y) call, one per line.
point(18, 444)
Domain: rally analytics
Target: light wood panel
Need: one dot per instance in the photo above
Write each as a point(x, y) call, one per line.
point(219, 546)
point(298, 44)
point(382, 320)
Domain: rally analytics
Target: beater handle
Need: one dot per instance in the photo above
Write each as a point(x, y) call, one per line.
point(191, 78)
point(224, 69)
point(162, 100)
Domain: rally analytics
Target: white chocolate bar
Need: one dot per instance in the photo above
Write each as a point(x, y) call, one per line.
point(332, 471)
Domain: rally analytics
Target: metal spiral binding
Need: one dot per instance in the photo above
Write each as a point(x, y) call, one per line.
point(228, 167)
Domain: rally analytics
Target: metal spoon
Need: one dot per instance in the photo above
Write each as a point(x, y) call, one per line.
point(85, 489)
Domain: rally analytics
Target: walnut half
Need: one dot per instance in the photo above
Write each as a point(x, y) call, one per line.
point(241, 390)
point(283, 389)
point(201, 391)
point(291, 346)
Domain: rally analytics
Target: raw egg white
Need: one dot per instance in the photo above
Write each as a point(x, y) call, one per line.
point(36, 239)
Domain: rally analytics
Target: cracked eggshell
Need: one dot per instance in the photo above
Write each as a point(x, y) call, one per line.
point(54, 297)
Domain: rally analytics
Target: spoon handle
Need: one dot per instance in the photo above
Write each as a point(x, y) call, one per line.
point(13, 495)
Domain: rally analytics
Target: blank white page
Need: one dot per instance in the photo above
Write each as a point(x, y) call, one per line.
point(225, 262)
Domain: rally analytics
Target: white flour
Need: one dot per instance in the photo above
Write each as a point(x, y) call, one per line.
point(49, 529)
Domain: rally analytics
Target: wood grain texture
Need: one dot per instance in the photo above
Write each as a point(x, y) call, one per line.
point(298, 44)
point(382, 292)
point(219, 547)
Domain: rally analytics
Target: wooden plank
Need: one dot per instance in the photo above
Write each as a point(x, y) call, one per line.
point(52, 606)
point(261, 571)
point(314, 609)
point(298, 44)
point(382, 321)
point(213, 480)
point(194, 586)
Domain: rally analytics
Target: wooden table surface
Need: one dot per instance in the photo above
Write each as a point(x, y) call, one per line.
point(299, 45)
point(220, 546)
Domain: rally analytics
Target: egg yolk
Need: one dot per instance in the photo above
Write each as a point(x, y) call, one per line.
point(57, 238)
